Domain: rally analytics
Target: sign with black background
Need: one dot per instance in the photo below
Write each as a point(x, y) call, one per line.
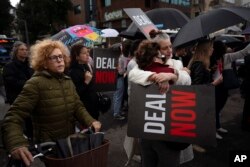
point(184, 114)
point(105, 68)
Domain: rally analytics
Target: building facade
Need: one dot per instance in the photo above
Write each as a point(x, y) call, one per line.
point(109, 13)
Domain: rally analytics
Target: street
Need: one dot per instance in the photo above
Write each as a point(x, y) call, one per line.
point(236, 139)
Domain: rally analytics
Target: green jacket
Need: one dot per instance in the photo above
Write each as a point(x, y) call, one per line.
point(53, 105)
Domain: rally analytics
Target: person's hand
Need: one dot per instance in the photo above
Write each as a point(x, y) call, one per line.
point(96, 125)
point(88, 77)
point(163, 87)
point(218, 81)
point(22, 153)
point(163, 77)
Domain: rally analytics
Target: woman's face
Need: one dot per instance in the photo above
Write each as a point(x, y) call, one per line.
point(22, 52)
point(83, 58)
point(166, 48)
point(55, 61)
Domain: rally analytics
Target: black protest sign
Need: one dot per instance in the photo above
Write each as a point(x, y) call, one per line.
point(105, 68)
point(184, 114)
point(141, 20)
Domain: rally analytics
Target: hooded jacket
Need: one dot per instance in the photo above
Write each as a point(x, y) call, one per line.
point(53, 105)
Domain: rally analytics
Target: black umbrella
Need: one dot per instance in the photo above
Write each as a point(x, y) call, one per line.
point(230, 41)
point(227, 39)
point(163, 18)
point(210, 22)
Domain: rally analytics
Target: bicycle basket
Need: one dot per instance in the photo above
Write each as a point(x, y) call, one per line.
point(93, 158)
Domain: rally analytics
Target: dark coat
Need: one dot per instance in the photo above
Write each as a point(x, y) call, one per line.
point(199, 74)
point(15, 74)
point(86, 92)
point(53, 105)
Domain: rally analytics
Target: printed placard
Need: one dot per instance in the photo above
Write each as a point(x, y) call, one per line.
point(141, 20)
point(105, 68)
point(184, 114)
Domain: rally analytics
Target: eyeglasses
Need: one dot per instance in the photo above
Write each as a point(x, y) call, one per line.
point(56, 58)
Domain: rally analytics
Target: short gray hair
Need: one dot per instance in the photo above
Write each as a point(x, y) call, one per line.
point(159, 35)
point(15, 47)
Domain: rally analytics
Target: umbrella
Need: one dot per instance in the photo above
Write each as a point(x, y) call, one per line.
point(230, 41)
point(227, 39)
point(163, 18)
point(84, 33)
point(109, 32)
point(246, 31)
point(210, 22)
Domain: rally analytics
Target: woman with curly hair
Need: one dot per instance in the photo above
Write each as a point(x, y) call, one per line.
point(49, 98)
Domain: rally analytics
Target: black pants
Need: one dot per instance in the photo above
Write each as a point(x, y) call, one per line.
point(158, 154)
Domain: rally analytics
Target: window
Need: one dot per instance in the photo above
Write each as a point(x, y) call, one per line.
point(106, 3)
point(177, 2)
point(77, 9)
point(181, 2)
point(167, 1)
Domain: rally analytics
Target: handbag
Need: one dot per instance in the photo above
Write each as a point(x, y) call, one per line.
point(104, 102)
point(230, 79)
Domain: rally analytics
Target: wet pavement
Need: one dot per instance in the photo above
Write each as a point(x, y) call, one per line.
point(218, 156)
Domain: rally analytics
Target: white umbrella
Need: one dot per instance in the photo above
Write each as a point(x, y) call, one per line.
point(109, 32)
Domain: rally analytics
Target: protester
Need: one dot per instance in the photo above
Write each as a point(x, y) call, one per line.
point(183, 54)
point(81, 73)
point(221, 93)
point(154, 152)
point(139, 76)
point(49, 98)
point(134, 151)
point(200, 72)
point(16, 72)
point(119, 93)
point(228, 59)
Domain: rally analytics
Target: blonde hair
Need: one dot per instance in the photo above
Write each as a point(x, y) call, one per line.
point(201, 53)
point(41, 51)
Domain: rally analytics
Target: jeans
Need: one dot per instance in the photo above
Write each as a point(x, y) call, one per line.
point(118, 95)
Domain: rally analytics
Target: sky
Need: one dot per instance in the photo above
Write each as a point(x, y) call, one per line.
point(14, 2)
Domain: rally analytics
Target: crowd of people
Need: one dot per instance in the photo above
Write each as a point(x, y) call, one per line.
point(51, 90)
